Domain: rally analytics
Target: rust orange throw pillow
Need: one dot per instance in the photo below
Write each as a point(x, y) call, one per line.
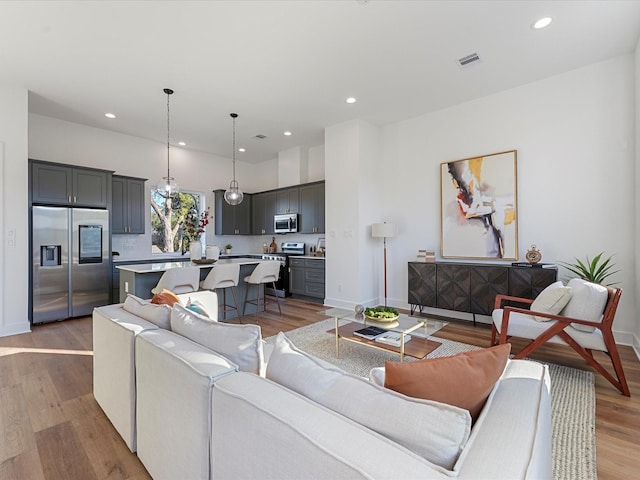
point(165, 297)
point(464, 380)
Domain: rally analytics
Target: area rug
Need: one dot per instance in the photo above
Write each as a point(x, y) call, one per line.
point(572, 393)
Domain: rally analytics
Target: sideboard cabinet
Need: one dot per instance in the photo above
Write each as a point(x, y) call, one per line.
point(472, 287)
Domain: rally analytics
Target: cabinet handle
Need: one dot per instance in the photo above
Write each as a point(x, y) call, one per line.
point(75, 199)
point(69, 198)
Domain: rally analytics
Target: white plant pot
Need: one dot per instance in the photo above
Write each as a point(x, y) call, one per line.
point(195, 250)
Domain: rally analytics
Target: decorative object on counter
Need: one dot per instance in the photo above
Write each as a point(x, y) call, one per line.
point(479, 215)
point(203, 261)
point(234, 196)
point(265, 249)
point(167, 187)
point(359, 308)
point(212, 252)
point(533, 255)
point(228, 248)
point(593, 270)
point(193, 226)
point(384, 230)
point(321, 247)
point(273, 248)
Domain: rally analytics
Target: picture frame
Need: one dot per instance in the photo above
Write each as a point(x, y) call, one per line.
point(479, 209)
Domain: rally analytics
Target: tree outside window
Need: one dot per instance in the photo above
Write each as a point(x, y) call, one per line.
point(167, 221)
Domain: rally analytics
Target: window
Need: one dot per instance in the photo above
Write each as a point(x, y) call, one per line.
point(167, 219)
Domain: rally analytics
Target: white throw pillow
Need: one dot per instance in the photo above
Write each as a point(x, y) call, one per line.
point(551, 300)
point(242, 344)
point(158, 314)
point(433, 430)
point(587, 303)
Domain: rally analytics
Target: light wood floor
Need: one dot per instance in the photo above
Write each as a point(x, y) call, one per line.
point(52, 428)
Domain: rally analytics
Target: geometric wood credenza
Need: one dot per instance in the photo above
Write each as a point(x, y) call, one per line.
point(472, 287)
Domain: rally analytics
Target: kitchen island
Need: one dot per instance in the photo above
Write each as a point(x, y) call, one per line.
point(138, 279)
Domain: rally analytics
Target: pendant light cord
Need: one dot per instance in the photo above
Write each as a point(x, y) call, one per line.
point(169, 92)
point(234, 148)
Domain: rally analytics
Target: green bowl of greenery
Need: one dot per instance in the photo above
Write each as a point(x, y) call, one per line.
point(381, 314)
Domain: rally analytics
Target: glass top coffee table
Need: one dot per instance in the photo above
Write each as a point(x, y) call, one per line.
point(418, 328)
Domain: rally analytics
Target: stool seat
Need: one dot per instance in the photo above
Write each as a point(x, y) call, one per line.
point(223, 276)
point(265, 272)
point(179, 280)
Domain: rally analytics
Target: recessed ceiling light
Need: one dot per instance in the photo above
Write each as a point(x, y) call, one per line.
point(543, 22)
point(288, 134)
point(182, 144)
point(351, 100)
point(241, 149)
point(109, 115)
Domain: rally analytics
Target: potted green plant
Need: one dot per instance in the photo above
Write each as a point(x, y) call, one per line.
point(596, 270)
point(228, 248)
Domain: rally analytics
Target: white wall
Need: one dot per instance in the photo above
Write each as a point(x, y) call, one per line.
point(14, 248)
point(636, 339)
point(316, 163)
point(574, 134)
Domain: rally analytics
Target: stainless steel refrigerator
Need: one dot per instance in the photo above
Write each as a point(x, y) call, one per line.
point(70, 264)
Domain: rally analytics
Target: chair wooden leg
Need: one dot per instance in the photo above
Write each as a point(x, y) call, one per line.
point(494, 332)
point(224, 304)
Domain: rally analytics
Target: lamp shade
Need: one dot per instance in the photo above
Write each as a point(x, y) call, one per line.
point(386, 230)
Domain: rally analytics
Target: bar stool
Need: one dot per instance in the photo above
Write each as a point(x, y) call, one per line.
point(179, 280)
point(265, 272)
point(223, 276)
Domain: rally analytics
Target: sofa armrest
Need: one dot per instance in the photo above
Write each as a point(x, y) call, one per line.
point(114, 388)
point(512, 437)
point(175, 378)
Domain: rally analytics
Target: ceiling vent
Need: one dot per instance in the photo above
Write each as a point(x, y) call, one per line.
point(260, 136)
point(469, 60)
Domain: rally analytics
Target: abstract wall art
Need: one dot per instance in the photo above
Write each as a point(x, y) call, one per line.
point(479, 214)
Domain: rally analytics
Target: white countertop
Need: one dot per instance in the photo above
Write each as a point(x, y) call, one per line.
point(161, 267)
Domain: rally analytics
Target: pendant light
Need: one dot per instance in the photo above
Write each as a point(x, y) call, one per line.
point(234, 196)
point(167, 187)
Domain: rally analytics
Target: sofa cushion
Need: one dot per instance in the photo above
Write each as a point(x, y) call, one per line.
point(587, 303)
point(165, 297)
point(242, 344)
point(159, 315)
point(206, 298)
point(197, 307)
point(433, 430)
point(464, 380)
point(551, 300)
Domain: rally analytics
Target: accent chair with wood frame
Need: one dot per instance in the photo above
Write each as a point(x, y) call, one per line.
point(583, 336)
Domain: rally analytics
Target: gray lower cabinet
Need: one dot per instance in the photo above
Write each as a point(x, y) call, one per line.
point(306, 277)
point(127, 205)
point(58, 184)
point(232, 219)
point(472, 287)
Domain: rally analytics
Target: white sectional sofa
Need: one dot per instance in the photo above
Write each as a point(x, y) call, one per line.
point(199, 416)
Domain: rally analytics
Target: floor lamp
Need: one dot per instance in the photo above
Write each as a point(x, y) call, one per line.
point(384, 230)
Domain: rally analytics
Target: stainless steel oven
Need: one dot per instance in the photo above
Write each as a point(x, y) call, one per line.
point(288, 249)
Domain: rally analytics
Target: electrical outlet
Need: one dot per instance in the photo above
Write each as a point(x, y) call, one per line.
point(340, 287)
point(126, 287)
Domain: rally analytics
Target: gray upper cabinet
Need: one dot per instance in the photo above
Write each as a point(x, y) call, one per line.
point(232, 219)
point(127, 205)
point(287, 200)
point(263, 208)
point(312, 212)
point(56, 184)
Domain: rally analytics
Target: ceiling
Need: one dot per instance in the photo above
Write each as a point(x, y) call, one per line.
point(288, 65)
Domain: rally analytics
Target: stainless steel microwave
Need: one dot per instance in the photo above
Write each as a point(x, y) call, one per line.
point(286, 223)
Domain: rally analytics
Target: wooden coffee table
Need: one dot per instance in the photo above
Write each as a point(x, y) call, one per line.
point(347, 322)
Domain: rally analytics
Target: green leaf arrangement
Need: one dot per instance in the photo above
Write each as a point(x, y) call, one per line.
point(596, 270)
